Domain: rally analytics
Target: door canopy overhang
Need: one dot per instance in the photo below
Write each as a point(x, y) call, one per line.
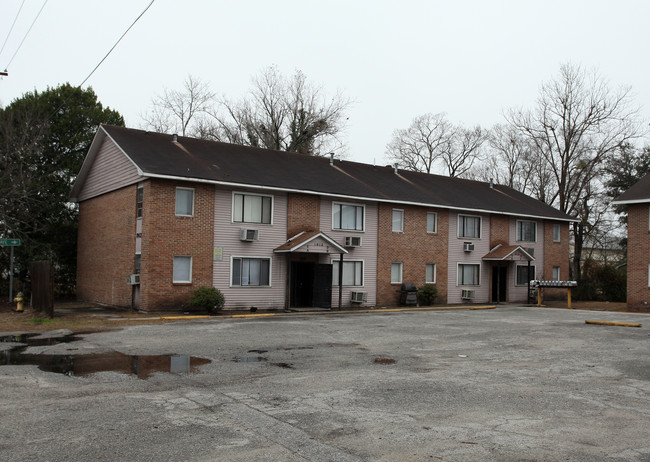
point(508, 253)
point(311, 242)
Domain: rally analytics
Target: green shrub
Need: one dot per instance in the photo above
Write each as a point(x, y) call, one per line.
point(208, 298)
point(427, 294)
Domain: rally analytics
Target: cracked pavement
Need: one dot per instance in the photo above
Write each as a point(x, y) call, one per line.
point(508, 384)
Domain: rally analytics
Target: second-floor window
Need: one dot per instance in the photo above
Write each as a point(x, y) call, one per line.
point(526, 231)
point(398, 220)
point(556, 233)
point(185, 202)
point(251, 208)
point(347, 217)
point(432, 222)
point(469, 226)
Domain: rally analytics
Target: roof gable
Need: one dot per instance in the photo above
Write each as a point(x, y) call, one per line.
point(637, 194)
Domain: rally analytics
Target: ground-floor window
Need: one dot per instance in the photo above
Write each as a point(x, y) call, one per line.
point(182, 268)
point(352, 273)
point(523, 276)
point(469, 274)
point(251, 271)
point(430, 273)
point(395, 273)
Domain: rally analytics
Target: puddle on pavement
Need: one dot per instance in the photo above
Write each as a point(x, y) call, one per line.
point(250, 359)
point(385, 361)
point(82, 365)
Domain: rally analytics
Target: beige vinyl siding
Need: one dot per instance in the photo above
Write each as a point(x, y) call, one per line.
point(366, 253)
point(227, 238)
point(520, 293)
point(458, 256)
point(111, 170)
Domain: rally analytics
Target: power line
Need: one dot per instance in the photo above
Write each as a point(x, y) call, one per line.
point(12, 27)
point(116, 43)
point(26, 34)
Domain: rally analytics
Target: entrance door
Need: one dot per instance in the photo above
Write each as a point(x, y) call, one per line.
point(499, 283)
point(322, 286)
point(311, 285)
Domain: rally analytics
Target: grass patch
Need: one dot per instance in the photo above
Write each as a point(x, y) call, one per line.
point(40, 320)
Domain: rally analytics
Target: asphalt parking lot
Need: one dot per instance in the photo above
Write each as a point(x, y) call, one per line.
point(509, 384)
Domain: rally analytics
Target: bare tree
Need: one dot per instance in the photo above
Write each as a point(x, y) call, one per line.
point(578, 123)
point(464, 150)
point(279, 113)
point(423, 143)
point(176, 111)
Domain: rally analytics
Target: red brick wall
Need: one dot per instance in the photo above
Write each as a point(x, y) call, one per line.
point(499, 230)
point(556, 254)
point(106, 249)
point(414, 248)
point(303, 213)
point(165, 235)
point(638, 257)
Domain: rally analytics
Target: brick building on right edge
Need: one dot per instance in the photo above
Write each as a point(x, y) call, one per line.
point(637, 200)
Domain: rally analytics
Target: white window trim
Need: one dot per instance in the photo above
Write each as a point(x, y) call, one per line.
point(480, 269)
point(191, 267)
point(363, 272)
point(558, 273)
point(525, 266)
point(435, 272)
point(480, 226)
point(193, 198)
point(435, 223)
point(517, 230)
point(559, 227)
point(401, 272)
point(252, 257)
point(362, 230)
point(247, 193)
point(401, 230)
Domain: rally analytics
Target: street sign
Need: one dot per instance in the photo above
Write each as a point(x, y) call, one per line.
point(9, 242)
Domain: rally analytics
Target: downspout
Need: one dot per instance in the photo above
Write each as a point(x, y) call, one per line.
point(528, 277)
point(341, 281)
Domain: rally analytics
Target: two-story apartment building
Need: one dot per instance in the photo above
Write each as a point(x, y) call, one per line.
point(637, 200)
point(273, 229)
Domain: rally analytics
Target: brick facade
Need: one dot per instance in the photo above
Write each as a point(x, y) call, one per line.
point(556, 254)
point(414, 248)
point(638, 257)
point(165, 235)
point(106, 249)
point(303, 213)
point(499, 230)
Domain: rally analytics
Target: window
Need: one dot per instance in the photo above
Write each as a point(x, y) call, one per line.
point(251, 208)
point(430, 277)
point(395, 273)
point(526, 231)
point(138, 263)
point(251, 271)
point(556, 273)
point(432, 222)
point(347, 216)
point(398, 221)
point(556, 233)
point(468, 274)
point(182, 269)
point(185, 202)
point(469, 226)
point(352, 273)
point(522, 275)
point(138, 202)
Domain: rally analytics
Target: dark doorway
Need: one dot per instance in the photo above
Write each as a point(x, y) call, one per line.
point(499, 283)
point(311, 285)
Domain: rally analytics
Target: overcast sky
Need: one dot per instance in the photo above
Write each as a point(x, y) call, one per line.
point(396, 59)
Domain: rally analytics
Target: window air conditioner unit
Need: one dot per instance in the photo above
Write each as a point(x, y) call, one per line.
point(250, 235)
point(468, 246)
point(133, 279)
point(467, 294)
point(353, 241)
point(358, 297)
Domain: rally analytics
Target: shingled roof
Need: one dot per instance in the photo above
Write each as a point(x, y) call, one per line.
point(158, 155)
point(637, 194)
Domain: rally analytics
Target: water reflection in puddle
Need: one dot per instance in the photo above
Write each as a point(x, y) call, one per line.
point(141, 366)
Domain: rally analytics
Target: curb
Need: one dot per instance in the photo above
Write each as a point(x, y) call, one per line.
point(614, 323)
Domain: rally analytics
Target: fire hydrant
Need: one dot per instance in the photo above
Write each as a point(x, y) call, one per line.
point(19, 302)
